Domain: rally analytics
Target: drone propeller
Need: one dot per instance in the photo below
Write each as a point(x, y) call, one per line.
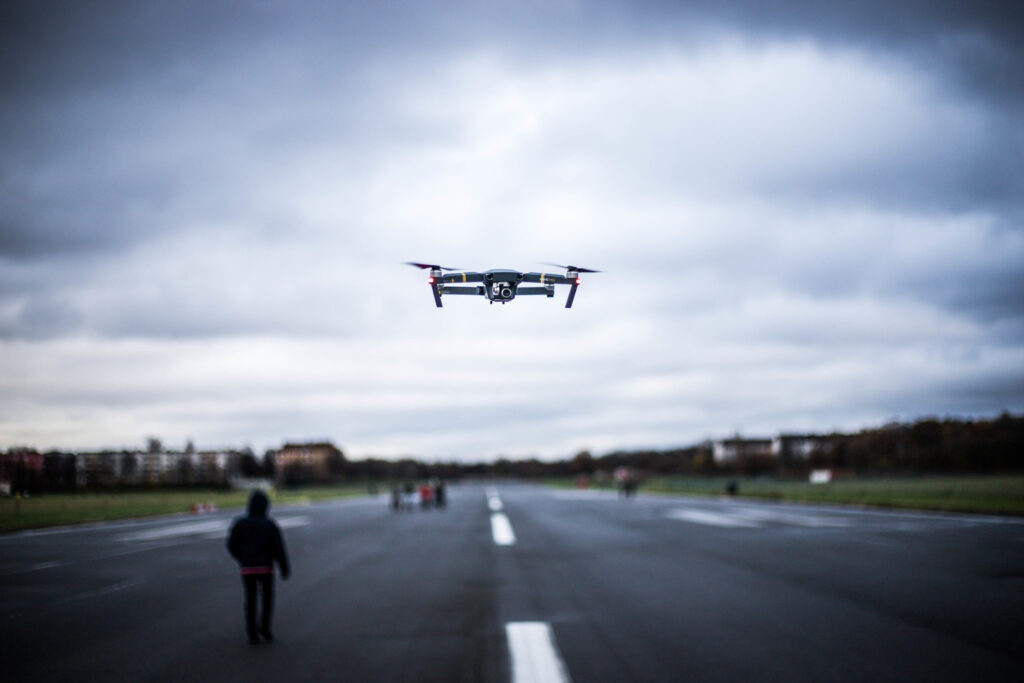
point(574, 268)
point(425, 266)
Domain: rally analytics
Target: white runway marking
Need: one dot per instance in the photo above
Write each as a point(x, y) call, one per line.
point(785, 516)
point(584, 494)
point(501, 529)
point(292, 522)
point(710, 518)
point(751, 517)
point(208, 527)
point(107, 590)
point(47, 565)
point(534, 654)
point(494, 500)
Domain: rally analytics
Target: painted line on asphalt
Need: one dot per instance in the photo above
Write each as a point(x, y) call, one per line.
point(78, 597)
point(207, 527)
point(711, 518)
point(534, 653)
point(501, 529)
point(47, 565)
point(493, 499)
point(171, 536)
point(770, 514)
point(292, 522)
point(186, 529)
point(78, 529)
point(584, 494)
point(106, 590)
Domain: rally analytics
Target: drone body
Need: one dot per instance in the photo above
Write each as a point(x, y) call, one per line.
point(500, 284)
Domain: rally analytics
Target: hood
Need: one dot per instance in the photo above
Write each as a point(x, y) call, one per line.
point(258, 504)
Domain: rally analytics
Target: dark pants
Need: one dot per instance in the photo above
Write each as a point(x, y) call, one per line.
point(264, 583)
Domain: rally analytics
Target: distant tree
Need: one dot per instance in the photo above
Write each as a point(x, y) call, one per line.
point(583, 463)
point(248, 466)
point(335, 465)
point(269, 464)
point(296, 474)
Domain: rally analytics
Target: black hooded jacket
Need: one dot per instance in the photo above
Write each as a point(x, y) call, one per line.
point(255, 541)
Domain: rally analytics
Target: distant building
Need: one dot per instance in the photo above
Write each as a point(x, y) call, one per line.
point(308, 462)
point(20, 468)
point(794, 449)
point(738, 450)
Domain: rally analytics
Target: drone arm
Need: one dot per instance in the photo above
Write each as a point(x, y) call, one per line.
point(535, 291)
point(546, 279)
point(471, 291)
point(459, 278)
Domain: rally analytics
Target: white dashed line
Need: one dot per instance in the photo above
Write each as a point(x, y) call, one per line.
point(534, 654)
point(501, 529)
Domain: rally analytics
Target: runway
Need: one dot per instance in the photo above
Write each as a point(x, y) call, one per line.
point(513, 582)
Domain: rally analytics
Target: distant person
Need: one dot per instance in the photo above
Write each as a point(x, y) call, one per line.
point(426, 496)
point(439, 493)
point(256, 542)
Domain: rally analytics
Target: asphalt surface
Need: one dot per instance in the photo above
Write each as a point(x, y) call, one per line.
point(595, 588)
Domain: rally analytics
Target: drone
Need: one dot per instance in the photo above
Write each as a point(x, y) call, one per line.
point(500, 285)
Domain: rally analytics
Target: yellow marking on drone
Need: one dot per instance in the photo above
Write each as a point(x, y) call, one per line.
point(463, 277)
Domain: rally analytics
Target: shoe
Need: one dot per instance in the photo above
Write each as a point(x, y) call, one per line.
point(254, 639)
point(267, 636)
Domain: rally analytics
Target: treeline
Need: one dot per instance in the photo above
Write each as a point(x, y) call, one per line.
point(931, 445)
point(925, 446)
point(922, 447)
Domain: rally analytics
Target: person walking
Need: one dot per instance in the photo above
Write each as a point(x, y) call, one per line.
point(256, 543)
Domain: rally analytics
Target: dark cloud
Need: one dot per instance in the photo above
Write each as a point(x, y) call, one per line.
point(786, 196)
point(978, 43)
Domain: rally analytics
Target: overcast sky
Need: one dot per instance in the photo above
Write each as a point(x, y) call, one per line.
point(810, 216)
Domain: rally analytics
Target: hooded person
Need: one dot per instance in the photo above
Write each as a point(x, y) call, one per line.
point(256, 543)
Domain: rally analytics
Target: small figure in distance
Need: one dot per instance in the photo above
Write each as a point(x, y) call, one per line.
point(426, 496)
point(439, 493)
point(627, 482)
point(256, 542)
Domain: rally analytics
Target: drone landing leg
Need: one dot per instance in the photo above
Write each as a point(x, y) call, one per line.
point(572, 295)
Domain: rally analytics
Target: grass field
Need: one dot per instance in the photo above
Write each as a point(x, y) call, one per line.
point(1001, 495)
point(78, 508)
